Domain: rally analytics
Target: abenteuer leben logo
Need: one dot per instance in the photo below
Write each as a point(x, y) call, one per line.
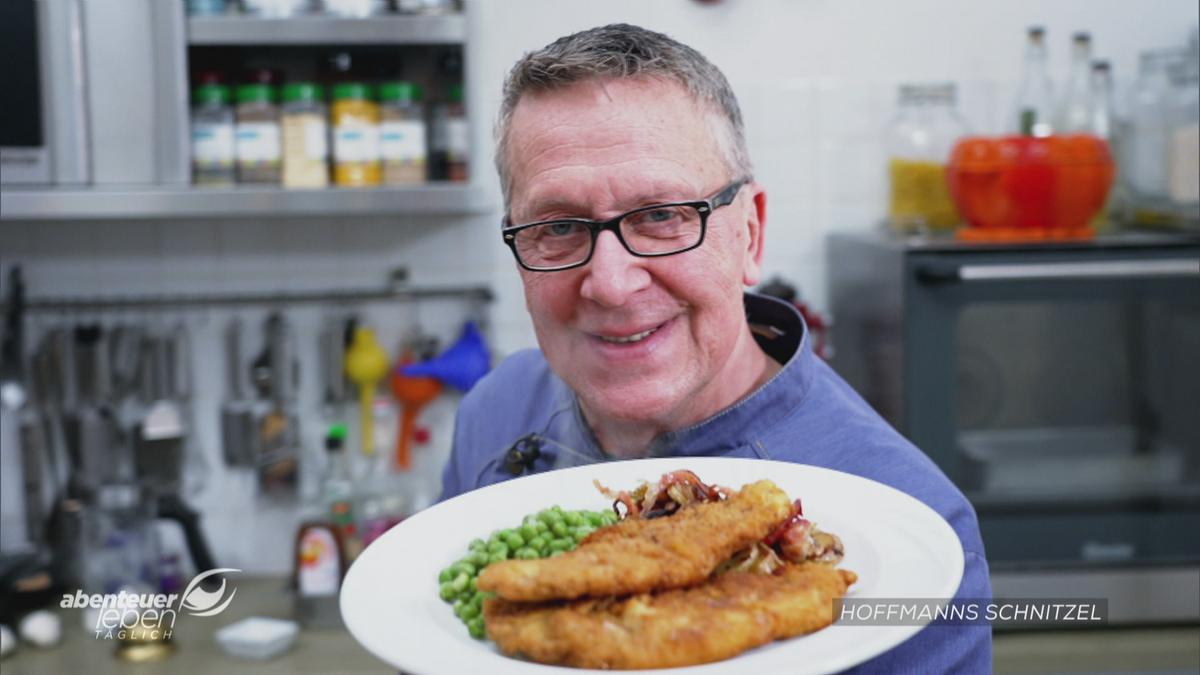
point(151, 616)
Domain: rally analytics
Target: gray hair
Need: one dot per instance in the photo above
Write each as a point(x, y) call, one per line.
point(623, 51)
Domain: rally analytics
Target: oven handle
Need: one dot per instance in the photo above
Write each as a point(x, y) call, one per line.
point(934, 273)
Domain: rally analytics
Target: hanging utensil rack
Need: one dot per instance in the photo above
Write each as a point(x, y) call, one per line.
point(480, 294)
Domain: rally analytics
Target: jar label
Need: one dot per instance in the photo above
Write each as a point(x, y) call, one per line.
point(258, 143)
point(402, 141)
point(458, 138)
point(212, 144)
point(356, 143)
point(316, 140)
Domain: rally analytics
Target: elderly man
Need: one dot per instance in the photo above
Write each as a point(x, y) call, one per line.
point(636, 224)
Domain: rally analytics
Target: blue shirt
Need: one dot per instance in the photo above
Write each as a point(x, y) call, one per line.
point(805, 414)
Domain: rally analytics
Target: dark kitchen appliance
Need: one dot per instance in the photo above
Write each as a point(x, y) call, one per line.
point(1058, 385)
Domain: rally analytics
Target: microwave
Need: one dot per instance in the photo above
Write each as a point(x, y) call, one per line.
point(43, 135)
point(95, 93)
point(1056, 384)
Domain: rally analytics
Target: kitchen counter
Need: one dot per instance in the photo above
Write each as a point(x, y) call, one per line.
point(328, 652)
point(334, 652)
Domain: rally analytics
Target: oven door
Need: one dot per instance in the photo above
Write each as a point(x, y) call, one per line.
point(1069, 411)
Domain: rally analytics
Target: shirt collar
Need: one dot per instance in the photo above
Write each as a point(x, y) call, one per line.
point(779, 330)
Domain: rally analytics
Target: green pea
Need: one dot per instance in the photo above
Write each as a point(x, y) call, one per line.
point(573, 518)
point(471, 587)
point(581, 532)
point(525, 553)
point(477, 545)
point(538, 544)
point(445, 575)
point(542, 527)
point(528, 532)
point(498, 556)
point(557, 509)
point(459, 605)
point(475, 628)
point(462, 567)
point(497, 545)
point(560, 529)
point(460, 582)
point(555, 553)
point(477, 558)
point(594, 519)
point(446, 591)
point(514, 540)
point(469, 611)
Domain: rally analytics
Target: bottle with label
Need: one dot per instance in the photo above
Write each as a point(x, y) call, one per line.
point(355, 136)
point(259, 149)
point(320, 567)
point(1075, 112)
point(305, 137)
point(450, 138)
point(918, 142)
point(1035, 96)
point(213, 146)
point(337, 490)
point(402, 136)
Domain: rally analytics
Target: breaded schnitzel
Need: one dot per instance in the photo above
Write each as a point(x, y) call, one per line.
point(639, 555)
point(715, 620)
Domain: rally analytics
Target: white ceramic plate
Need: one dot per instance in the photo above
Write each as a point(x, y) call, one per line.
point(899, 548)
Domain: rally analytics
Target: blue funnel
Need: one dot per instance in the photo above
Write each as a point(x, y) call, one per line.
point(460, 366)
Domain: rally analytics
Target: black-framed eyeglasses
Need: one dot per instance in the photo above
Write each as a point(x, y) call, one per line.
point(648, 232)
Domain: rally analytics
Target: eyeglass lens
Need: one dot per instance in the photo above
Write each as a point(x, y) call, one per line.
point(656, 231)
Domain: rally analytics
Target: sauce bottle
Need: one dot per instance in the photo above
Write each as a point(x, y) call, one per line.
point(355, 120)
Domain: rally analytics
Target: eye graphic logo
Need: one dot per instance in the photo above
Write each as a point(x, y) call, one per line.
point(200, 602)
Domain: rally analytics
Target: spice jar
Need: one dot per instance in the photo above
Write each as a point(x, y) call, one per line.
point(355, 136)
point(450, 138)
point(305, 132)
point(402, 133)
point(213, 148)
point(918, 143)
point(258, 144)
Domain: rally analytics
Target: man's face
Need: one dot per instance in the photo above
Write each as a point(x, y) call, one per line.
point(637, 339)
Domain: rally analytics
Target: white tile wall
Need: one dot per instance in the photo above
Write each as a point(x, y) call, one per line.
point(816, 82)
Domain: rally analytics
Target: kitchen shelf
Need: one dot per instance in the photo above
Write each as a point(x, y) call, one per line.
point(85, 203)
point(308, 30)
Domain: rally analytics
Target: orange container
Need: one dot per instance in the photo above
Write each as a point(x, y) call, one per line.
point(1021, 187)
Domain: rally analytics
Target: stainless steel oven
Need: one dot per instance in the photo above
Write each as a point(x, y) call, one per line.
point(1058, 385)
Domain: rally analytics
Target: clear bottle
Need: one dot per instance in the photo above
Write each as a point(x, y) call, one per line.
point(449, 141)
point(259, 150)
point(305, 131)
point(402, 133)
point(918, 142)
point(1183, 151)
point(1145, 159)
point(1075, 111)
point(1101, 120)
point(355, 119)
point(213, 144)
point(1035, 96)
point(337, 489)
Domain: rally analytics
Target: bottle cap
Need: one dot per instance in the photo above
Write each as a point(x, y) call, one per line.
point(255, 93)
point(210, 93)
point(403, 92)
point(351, 90)
point(302, 91)
point(335, 437)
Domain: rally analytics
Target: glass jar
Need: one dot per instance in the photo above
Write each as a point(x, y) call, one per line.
point(355, 119)
point(213, 145)
point(402, 141)
point(258, 139)
point(918, 143)
point(449, 141)
point(305, 137)
point(1183, 146)
point(1145, 160)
